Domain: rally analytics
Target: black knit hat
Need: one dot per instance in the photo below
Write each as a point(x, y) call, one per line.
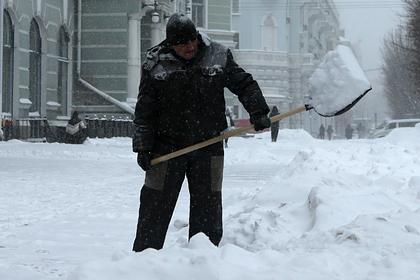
point(180, 30)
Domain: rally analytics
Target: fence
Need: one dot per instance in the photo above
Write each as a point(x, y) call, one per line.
point(107, 128)
point(40, 130)
point(32, 129)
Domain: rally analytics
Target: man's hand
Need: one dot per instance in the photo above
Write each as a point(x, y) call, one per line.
point(260, 122)
point(143, 160)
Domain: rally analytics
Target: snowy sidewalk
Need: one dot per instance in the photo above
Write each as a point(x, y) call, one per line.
point(296, 209)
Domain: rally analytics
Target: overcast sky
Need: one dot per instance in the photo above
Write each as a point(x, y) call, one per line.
point(366, 22)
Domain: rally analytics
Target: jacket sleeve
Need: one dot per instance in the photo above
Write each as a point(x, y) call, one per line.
point(245, 87)
point(145, 115)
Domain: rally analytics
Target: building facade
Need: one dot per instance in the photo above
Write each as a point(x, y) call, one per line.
point(55, 61)
point(113, 38)
point(86, 55)
point(214, 17)
point(36, 63)
point(280, 43)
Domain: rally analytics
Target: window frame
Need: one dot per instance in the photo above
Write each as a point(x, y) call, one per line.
point(35, 67)
point(63, 63)
point(193, 14)
point(8, 63)
point(238, 11)
point(269, 32)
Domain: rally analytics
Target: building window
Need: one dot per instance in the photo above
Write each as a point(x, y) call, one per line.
point(269, 33)
point(235, 7)
point(8, 62)
point(35, 67)
point(199, 13)
point(62, 71)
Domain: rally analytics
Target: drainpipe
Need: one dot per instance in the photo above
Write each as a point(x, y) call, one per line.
point(1, 62)
point(123, 106)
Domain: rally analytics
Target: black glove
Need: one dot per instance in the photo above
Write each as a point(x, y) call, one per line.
point(143, 160)
point(260, 122)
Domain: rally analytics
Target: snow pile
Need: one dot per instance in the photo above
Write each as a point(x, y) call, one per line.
point(403, 136)
point(337, 82)
point(295, 135)
point(300, 208)
point(199, 259)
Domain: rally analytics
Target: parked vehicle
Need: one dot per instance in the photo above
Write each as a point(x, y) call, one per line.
point(386, 127)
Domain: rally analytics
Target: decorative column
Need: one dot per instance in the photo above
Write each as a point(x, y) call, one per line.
point(155, 34)
point(188, 10)
point(133, 68)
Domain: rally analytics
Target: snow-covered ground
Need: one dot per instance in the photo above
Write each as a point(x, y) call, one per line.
point(300, 208)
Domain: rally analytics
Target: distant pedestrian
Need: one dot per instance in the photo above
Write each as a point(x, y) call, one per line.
point(349, 131)
point(321, 134)
point(329, 132)
point(275, 125)
point(75, 130)
point(361, 130)
point(230, 124)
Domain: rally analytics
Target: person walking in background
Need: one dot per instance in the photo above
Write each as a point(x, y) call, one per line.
point(329, 132)
point(75, 130)
point(321, 134)
point(180, 103)
point(349, 131)
point(230, 124)
point(360, 130)
point(274, 125)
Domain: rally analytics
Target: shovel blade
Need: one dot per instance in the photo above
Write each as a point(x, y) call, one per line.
point(338, 83)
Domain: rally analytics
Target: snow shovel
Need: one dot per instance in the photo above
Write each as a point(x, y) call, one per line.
point(335, 87)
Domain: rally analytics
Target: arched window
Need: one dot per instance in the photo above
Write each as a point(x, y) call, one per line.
point(235, 7)
point(8, 62)
point(35, 67)
point(269, 33)
point(199, 13)
point(62, 71)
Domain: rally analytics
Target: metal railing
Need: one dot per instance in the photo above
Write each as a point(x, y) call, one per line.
point(107, 128)
point(30, 129)
point(39, 129)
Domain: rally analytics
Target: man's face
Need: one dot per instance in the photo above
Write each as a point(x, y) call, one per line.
point(188, 50)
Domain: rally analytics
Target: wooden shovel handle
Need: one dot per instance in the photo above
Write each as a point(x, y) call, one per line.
point(224, 135)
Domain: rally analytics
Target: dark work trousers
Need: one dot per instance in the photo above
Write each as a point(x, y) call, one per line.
point(274, 134)
point(204, 171)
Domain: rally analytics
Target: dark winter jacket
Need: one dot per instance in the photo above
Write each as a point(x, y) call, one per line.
point(182, 102)
point(75, 130)
point(349, 132)
point(75, 124)
point(329, 130)
point(321, 130)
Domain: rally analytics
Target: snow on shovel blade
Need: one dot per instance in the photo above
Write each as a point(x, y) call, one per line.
point(338, 83)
